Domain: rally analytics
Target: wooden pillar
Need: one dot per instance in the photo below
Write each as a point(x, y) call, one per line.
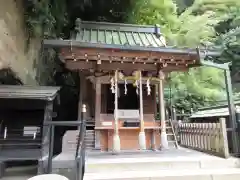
point(154, 131)
point(142, 136)
point(116, 138)
point(155, 100)
point(164, 141)
point(46, 129)
point(97, 111)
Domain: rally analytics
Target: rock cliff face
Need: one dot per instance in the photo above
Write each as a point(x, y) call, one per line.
point(15, 53)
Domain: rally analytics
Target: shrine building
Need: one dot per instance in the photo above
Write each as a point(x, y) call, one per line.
point(122, 69)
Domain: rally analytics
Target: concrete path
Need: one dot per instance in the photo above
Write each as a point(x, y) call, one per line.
point(172, 164)
point(207, 174)
point(171, 154)
point(20, 173)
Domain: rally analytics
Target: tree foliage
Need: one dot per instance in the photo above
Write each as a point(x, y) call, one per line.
point(184, 23)
point(229, 40)
point(192, 26)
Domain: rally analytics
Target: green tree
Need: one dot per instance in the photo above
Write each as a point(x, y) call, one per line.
point(229, 40)
point(193, 27)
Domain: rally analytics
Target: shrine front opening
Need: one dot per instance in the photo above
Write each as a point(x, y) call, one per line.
point(128, 100)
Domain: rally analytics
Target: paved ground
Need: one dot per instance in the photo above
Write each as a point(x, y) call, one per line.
point(20, 173)
point(167, 164)
point(23, 173)
point(176, 154)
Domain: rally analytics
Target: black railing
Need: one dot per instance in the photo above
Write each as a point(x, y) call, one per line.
point(80, 149)
point(80, 152)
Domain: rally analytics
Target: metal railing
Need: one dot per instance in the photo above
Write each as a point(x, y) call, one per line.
point(80, 149)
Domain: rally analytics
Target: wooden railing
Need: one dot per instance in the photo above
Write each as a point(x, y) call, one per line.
point(205, 137)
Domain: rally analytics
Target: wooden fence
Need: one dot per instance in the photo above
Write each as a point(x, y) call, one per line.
point(205, 137)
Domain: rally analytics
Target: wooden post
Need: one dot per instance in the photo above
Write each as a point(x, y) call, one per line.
point(142, 136)
point(46, 133)
point(164, 141)
point(223, 139)
point(153, 140)
point(97, 111)
point(155, 100)
point(116, 138)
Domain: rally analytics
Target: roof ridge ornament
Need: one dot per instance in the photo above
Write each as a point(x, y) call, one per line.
point(159, 35)
point(78, 23)
point(157, 31)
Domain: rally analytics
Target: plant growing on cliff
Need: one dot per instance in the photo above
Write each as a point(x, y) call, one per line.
point(45, 18)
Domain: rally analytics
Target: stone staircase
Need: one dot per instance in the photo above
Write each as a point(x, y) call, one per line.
point(178, 164)
point(90, 139)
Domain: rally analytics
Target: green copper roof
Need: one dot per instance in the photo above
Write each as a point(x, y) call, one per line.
point(119, 34)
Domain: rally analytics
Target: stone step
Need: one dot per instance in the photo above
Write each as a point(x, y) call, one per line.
point(142, 164)
point(90, 134)
point(90, 131)
point(89, 138)
point(89, 141)
point(198, 174)
point(89, 145)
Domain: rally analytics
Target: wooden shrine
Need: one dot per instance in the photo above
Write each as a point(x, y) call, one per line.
point(122, 68)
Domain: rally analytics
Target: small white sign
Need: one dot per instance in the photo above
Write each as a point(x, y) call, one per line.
point(126, 113)
point(30, 130)
point(107, 123)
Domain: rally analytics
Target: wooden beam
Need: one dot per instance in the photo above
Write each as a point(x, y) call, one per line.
point(105, 66)
point(75, 65)
point(53, 43)
point(108, 54)
point(130, 80)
